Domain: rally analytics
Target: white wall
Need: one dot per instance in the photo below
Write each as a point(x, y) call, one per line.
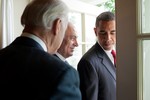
point(0, 25)
point(83, 7)
point(19, 6)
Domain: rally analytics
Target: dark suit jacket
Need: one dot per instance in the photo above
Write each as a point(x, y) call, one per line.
point(97, 75)
point(27, 72)
point(61, 59)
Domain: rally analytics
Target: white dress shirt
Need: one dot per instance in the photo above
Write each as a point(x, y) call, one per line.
point(60, 56)
point(37, 39)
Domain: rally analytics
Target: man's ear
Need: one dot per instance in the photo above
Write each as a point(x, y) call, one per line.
point(56, 26)
point(95, 31)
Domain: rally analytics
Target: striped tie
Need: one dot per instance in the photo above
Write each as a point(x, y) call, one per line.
point(114, 55)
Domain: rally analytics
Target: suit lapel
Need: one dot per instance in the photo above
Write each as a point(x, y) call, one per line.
point(109, 66)
point(106, 61)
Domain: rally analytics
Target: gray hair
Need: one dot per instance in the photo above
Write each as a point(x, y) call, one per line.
point(105, 16)
point(42, 13)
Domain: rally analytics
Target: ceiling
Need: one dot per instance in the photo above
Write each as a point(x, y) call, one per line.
point(93, 2)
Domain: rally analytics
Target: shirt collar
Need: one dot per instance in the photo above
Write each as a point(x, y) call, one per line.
point(37, 39)
point(60, 56)
point(107, 51)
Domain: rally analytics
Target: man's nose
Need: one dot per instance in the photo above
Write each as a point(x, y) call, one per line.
point(76, 43)
point(108, 36)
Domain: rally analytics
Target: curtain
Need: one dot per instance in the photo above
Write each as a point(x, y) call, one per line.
point(7, 22)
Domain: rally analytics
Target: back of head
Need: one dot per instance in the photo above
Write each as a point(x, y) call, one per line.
point(42, 13)
point(105, 16)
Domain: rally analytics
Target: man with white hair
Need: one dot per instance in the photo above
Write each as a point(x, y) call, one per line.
point(69, 43)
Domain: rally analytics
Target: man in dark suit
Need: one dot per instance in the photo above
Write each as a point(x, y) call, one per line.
point(68, 44)
point(28, 70)
point(97, 69)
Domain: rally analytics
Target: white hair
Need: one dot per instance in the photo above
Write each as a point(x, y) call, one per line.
point(42, 13)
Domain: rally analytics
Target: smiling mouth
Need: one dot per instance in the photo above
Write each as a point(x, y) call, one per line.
point(107, 44)
point(72, 49)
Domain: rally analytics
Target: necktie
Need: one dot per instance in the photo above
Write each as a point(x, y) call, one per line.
point(114, 55)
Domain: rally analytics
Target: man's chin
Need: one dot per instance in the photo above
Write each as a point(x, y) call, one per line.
point(108, 47)
point(71, 54)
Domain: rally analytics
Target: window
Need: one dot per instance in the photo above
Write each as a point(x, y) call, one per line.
point(90, 37)
point(144, 42)
point(145, 16)
point(146, 69)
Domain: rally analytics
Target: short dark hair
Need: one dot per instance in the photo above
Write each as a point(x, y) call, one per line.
point(105, 16)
